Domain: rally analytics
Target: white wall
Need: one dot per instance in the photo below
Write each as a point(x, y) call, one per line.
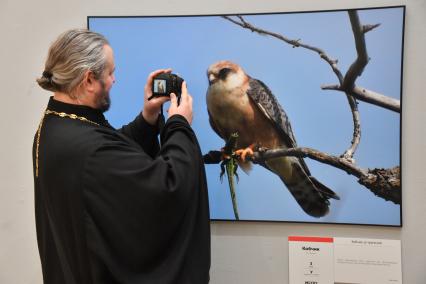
point(241, 252)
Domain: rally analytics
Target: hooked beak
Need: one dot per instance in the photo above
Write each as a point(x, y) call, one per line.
point(212, 79)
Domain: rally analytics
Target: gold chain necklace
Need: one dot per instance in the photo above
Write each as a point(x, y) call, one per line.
point(72, 116)
point(60, 114)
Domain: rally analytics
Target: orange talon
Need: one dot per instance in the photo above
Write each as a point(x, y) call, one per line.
point(244, 152)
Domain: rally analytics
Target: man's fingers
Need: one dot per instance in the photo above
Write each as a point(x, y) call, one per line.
point(160, 100)
point(184, 87)
point(155, 73)
point(184, 92)
point(173, 99)
point(184, 95)
point(159, 71)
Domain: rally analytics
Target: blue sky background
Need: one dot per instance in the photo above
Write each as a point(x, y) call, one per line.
point(320, 119)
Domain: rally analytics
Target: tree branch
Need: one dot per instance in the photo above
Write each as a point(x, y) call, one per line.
point(294, 43)
point(361, 61)
point(384, 183)
point(304, 152)
point(369, 96)
point(356, 136)
point(351, 75)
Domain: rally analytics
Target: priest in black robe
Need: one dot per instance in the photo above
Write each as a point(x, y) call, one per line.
point(115, 206)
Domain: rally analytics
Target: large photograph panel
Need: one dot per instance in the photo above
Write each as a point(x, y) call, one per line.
point(287, 93)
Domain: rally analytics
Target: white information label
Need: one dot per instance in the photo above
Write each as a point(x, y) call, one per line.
point(367, 261)
point(310, 260)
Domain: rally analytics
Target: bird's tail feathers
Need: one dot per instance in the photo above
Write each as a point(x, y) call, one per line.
point(311, 195)
point(327, 192)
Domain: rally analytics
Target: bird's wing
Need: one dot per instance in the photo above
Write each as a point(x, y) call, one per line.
point(270, 107)
point(215, 127)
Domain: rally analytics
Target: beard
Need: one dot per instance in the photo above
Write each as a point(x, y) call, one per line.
point(103, 98)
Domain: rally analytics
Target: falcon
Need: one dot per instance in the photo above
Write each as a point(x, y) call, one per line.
point(240, 104)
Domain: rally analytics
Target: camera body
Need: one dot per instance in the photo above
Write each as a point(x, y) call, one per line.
point(166, 83)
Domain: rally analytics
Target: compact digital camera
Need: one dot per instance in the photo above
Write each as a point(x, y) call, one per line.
point(166, 83)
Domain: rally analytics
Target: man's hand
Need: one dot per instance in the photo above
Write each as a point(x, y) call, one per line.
point(185, 106)
point(152, 107)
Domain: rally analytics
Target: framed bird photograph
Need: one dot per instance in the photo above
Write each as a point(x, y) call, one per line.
point(298, 115)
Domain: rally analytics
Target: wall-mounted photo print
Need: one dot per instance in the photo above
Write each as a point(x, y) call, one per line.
point(298, 114)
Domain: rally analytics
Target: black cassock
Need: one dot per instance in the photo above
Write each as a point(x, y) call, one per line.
point(112, 207)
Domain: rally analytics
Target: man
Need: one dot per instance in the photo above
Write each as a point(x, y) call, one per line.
point(112, 206)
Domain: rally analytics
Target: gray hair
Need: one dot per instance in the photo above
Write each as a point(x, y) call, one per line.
point(70, 56)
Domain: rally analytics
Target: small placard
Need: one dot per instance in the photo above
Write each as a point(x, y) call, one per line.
point(310, 260)
point(367, 261)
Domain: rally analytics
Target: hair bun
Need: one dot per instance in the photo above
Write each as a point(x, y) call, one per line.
point(47, 74)
point(46, 81)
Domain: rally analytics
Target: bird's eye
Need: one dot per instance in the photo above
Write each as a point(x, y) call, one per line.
point(223, 73)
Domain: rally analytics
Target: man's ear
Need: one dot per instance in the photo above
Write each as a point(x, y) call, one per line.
point(89, 81)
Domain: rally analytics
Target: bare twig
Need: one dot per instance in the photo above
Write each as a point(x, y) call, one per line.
point(356, 136)
point(369, 96)
point(295, 43)
point(367, 28)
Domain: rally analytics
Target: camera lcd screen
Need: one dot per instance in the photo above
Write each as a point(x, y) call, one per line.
point(160, 86)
